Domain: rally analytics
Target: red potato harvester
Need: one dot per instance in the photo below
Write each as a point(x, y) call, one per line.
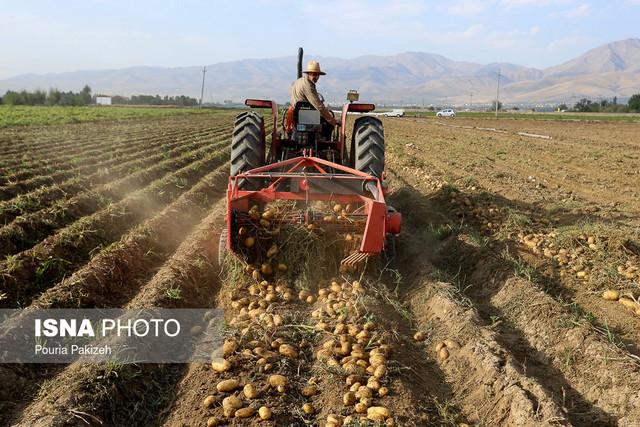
point(307, 166)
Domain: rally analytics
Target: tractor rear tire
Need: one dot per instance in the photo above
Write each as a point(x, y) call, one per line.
point(368, 135)
point(247, 147)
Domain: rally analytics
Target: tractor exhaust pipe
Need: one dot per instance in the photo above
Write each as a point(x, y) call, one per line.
point(300, 52)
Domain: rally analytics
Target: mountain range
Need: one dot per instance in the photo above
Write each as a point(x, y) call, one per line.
point(608, 71)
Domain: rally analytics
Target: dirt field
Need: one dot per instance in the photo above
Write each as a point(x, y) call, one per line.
point(512, 231)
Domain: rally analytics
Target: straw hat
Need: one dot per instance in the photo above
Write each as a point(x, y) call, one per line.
point(314, 67)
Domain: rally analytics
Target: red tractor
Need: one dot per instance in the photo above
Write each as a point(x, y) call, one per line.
point(304, 167)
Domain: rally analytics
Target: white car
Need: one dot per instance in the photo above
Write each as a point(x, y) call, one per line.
point(394, 113)
point(446, 113)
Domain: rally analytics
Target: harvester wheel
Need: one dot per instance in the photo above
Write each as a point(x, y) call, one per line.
point(247, 147)
point(223, 252)
point(368, 138)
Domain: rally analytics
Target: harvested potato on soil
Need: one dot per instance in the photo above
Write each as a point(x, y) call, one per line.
point(209, 401)
point(611, 295)
point(244, 412)
point(278, 380)
point(221, 366)
point(228, 385)
point(264, 413)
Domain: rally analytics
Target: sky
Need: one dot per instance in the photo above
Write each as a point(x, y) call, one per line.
point(52, 36)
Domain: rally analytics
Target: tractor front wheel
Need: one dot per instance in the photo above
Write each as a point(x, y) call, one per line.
point(368, 144)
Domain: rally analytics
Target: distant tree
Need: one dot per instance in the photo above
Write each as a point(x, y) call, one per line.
point(634, 103)
point(615, 100)
point(14, 98)
point(53, 97)
point(85, 94)
point(563, 107)
point(585, 105)
point(493, 105)
point(36, 98)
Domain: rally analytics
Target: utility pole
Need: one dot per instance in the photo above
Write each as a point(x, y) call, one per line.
point(204, 71)
point(470, 99)
point(498, 94)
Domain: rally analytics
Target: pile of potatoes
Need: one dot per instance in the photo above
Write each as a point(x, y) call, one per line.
point(487, 213)
point(348, 342)
point(352, 347)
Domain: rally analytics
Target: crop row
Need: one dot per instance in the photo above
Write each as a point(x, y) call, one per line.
point(76, 162)
point(29, 229)
point(114, 166)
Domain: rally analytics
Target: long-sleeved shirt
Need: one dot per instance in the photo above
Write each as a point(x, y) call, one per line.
point(305, 90)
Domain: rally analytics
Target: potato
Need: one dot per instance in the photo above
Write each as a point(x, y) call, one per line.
point(364, 391)
point(273, 250)
point(337, 208)
point(308, 408)
point(244, 412)
point(266, 268)
point(419, 336)
point(374, 384)
point(440, 346)
point(221, 366)
point(249, 242)
point(288, 350)
point(380, 371)
point(278, 380)
point(282, 267)
point(444, 353)
point(196, 330)
point(230, 405)
point(264, 413)
point(352, 379)
point(213, 422)
point(377, 360)
point(611, 295)
point(281, 389)
point(228, 385)
point(209, 401)
point(384, 412)
point(250, 391)
point(361, 408)
point(452, 344)
point(383, 391)
point(629, 303)
point(349, 398)
point(336, 419)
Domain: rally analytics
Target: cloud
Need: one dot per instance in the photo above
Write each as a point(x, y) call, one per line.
point(534, 3)
point(577, 12)
point(468, 7)
point(365, 17)
point(562, 44)
point(534, 30)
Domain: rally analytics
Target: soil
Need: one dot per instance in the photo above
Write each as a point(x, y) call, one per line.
point(512, 231)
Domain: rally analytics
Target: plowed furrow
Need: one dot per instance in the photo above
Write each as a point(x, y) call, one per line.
point(13, 189)
point(27, 230)
point(114, 276)
point(32, 271)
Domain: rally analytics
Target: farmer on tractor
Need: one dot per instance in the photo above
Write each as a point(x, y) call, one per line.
point(304, 89)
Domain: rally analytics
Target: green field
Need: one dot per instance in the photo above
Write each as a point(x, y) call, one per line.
point(39, 116)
